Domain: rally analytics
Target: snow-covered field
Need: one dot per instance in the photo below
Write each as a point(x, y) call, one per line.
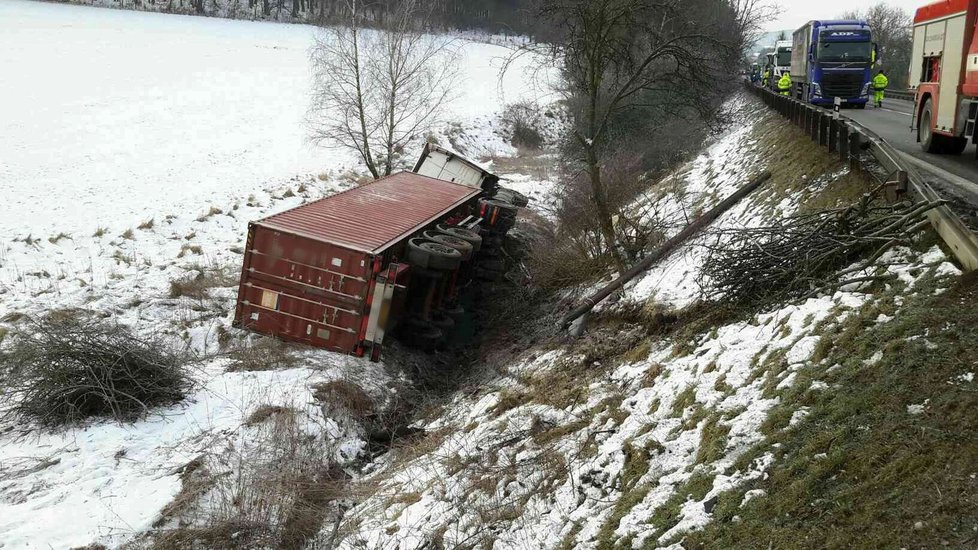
point(135, 148)
point(114, 116)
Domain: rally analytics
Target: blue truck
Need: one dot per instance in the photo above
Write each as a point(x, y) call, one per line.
point(833, 59)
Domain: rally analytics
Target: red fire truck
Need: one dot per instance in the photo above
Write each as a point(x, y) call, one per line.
point(944, 71)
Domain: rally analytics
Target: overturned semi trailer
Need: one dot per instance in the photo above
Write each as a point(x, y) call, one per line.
point(333, 273)
point(343, 272)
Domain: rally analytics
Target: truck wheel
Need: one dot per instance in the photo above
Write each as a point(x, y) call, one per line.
point(458, 244)
point(442, 322)
point(501, 226)
point(417, 256)
point(955, 146)
point(506, 210)
point(513, 197)
point(929, 142)
point(432, 255)
point(471, 237)
point(441, 256)
point(421, 334)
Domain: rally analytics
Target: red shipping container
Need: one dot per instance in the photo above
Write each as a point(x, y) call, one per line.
point(325, 273)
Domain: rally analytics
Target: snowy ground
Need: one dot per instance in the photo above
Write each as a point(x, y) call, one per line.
point(563, 452)
point(135, 149)
point(117, 119)
point(113, 116)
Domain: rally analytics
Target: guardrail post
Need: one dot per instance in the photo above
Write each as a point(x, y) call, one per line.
point(816, 116)
point(823, 129)
point(833, 135)
point(843, 141)
point(854, 151)
point(897, 188)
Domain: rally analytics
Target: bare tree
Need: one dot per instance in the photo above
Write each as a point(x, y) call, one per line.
point(893, 35)
point(375, 90)
point(630, 65)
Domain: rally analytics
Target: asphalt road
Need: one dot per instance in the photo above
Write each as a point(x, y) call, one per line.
point(892, 123)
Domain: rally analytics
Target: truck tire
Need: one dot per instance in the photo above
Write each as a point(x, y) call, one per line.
point(512, 197)
point(442, 321)
point(504, 211)
point(502, 226)
point(422, 334)
point(458, 244)
point(955, 146)
point(432, 255)
point(929, 141)
point(442, 256)
point(468, 235)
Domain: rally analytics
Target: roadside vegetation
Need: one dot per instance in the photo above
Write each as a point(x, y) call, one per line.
point(886, 455)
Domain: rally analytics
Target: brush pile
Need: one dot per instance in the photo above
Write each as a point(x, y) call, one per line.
point(808, 254)
point(60, 372)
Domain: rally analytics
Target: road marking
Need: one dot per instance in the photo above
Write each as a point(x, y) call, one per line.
point(897, 112)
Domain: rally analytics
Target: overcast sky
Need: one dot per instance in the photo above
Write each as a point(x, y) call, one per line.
point(795, 13)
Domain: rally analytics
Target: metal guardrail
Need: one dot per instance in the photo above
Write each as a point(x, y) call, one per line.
point(849, 139)
point(908, 95)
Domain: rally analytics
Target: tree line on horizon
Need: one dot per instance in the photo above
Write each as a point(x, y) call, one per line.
point(494, 16)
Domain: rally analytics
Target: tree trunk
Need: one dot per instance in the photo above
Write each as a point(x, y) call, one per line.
point(601, 203)
point(361, 113)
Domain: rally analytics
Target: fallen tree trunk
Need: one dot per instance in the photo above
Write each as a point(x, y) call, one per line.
point(664, 250)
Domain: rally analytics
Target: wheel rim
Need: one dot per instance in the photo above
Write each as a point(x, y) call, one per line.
point(440, 249)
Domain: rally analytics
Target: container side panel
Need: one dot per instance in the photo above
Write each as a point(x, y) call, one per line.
point(302, 290)
point(308, 266)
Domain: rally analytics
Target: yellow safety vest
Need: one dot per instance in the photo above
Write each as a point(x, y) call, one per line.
point(880, 82)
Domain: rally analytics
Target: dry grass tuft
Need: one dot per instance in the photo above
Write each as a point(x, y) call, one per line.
point(264, 412)
point(214, 211)
point(189, 248)
point(265, 353)
point(57, 238)
point(196, 284)
point(274, 491)
point(344, 394)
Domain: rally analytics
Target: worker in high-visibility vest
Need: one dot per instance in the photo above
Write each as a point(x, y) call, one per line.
point(784, 85)
point(767, 78)
point(880, 82)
